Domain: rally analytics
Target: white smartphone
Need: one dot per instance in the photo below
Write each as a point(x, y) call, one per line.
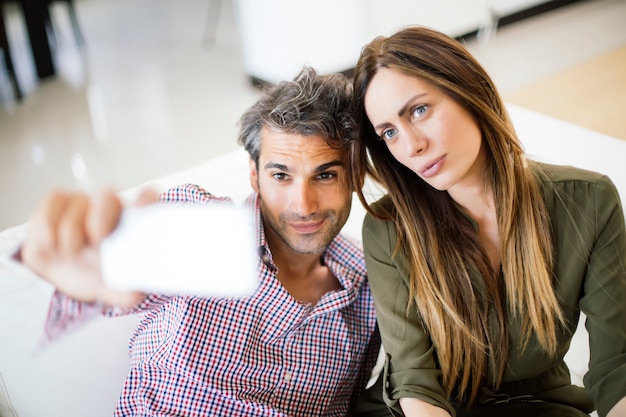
point(192, 249)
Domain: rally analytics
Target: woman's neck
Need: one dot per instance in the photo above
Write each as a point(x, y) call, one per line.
point(479, 204)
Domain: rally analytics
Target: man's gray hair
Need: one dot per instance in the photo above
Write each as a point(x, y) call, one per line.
point(310, 104)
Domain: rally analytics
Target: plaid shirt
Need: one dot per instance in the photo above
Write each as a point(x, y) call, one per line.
point(263, 355)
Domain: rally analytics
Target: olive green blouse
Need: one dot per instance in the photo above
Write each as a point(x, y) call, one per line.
point(589, 237)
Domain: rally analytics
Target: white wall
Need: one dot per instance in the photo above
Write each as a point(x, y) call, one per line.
point(280, 36)
point(506, 7)
point(453, 17)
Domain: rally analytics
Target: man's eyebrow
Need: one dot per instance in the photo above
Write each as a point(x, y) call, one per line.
point(276, 165)
point(328, 165)
point(321, 168)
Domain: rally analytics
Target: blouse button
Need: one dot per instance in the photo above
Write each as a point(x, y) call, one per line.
point(288, 376)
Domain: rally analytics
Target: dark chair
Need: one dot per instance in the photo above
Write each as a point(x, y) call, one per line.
point(78, 34)
point(41, 32)
point(5, 48)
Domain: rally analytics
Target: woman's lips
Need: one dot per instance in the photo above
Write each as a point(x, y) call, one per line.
point(432, 168)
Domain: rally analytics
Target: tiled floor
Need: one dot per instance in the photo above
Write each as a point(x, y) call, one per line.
point(147, 96)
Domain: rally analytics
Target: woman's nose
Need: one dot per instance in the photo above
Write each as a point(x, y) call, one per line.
point(415, 142)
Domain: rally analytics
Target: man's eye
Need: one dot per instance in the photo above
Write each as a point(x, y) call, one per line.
point(388, 134)
point(326, 176)
point(280, 176)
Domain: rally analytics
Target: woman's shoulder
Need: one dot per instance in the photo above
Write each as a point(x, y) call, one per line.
point(577, 183)
point(564, 173)
point(383, 203)
point(385, 208)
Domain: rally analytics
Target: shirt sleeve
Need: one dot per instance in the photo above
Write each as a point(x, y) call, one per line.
point(604, 300)
point(410, 367)
point(66, 314)
point(191, 193)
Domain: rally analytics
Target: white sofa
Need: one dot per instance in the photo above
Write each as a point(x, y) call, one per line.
point(81, 374)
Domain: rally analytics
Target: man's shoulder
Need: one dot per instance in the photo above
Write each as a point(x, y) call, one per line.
point(348, 251)
point(349, 242)
point(191, 193)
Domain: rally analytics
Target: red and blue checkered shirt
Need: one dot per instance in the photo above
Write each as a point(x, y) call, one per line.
point(263, 355)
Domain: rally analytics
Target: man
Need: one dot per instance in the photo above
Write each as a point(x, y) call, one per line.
point(305, 342)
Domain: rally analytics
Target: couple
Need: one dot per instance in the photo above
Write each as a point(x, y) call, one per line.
point(479, 261)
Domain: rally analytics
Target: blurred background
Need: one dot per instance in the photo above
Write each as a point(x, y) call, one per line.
point(142, 88)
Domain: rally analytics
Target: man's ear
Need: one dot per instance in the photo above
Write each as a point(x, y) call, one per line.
point(254, 176)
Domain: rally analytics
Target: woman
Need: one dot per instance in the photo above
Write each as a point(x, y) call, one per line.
point(480, 261)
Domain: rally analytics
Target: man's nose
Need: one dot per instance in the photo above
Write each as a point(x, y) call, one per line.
point(304, 200)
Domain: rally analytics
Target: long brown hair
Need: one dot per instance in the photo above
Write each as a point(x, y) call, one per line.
point(451, 280)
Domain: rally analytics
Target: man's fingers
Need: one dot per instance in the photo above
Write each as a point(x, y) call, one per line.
point(71, 225)
point(46, 218)
point(62, 245)
point(104, 216)
point(42, 233)
point(106, 210)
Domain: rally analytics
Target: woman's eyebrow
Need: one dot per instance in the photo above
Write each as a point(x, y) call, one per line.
point(402, 110)
point(408, 103)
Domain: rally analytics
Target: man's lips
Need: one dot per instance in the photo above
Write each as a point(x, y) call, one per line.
point(309, 227)
point(432, 167)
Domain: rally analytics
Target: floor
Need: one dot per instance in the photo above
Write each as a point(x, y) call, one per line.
point(599, 83)
point(150, 93)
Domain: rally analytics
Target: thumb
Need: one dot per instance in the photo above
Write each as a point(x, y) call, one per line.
point(146, 196)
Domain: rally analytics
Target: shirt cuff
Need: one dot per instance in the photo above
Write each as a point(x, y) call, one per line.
point(66, 314)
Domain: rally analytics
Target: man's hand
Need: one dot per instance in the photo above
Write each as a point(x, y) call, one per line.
point(62, 244)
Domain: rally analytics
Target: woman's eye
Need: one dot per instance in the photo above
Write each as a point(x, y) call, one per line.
point(420, 110)
point(388, 134)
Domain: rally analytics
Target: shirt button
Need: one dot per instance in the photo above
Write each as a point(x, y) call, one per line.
point(288, 376)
